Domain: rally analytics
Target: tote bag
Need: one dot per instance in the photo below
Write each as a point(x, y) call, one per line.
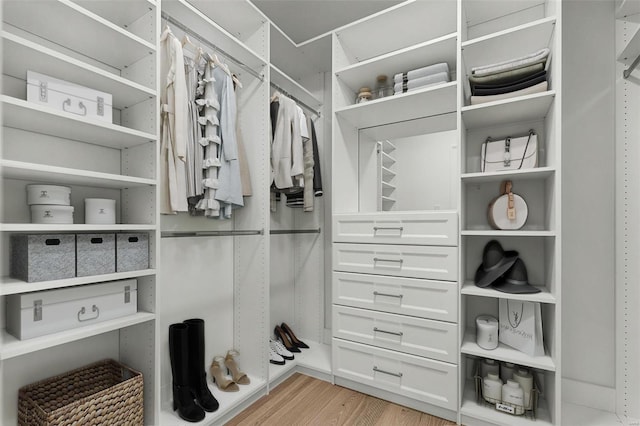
point(521, 326)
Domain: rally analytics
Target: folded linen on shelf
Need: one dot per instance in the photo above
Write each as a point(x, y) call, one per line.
point(539, 57)
point(498, 89)
point(415, 83)
point(540, 87)
point(506, 77)
point(421, 72)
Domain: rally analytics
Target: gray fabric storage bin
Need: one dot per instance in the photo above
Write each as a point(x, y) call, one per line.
point(43, 257)
point(132, 252)
point(95, 254)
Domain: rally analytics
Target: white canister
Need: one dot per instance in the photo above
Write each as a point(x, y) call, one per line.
point(492, 388)
point(99, 211)
point(525, 379)
point(487, 332)
point(489, 366)
point(513, 396)
point(48, 195)
point(51, 214)
point(506, 371)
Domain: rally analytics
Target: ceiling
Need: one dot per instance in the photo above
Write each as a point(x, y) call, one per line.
point(302, 20)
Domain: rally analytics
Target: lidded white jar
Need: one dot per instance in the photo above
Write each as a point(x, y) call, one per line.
point(99, 211)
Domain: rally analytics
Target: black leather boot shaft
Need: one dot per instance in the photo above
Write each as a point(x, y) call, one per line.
point(183, 392)
point(197, 373)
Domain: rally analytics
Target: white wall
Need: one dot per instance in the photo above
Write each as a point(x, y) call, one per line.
point(588, 180)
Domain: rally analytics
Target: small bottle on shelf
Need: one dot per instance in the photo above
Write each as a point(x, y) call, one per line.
point(506, 371)
point(492, 388)
point(382, 88)
point(513, 395)
point(489, 366)
point(525, 379)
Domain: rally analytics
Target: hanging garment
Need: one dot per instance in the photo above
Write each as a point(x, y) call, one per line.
point(245, 174)
point(317, 176)
point(229, 192)
point(287, 160)
point(174, 126)
point(210, 140)
point(194, 68)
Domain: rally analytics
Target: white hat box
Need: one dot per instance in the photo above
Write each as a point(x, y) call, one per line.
point(99, 211)
point(44, 312)
point(51, 214)
point(48, 194)
point(69, 97)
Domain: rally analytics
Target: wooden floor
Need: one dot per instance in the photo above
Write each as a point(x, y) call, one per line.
point(303, 400)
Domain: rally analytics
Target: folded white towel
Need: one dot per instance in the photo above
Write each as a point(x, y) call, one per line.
point(421, 72)
point(441, 77)
point(540, 87)
point(539, 56)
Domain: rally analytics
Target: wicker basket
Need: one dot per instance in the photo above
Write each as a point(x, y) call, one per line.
point(104, 393)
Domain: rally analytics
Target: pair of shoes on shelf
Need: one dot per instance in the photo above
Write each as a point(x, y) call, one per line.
point(285, 334)
point(220, 379)
point(278, 353)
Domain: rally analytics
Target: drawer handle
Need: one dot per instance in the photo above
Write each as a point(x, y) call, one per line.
point(395, 333)
point(83, 311)
point(399, 296)
point(387, 228)
point(376, 369)
point(380, 259)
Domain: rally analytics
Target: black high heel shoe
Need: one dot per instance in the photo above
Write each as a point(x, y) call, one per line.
point(289, 332)
point(282, 336)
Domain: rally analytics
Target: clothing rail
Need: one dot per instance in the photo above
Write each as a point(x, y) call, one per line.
point(298, 101)
point(180, 234)
point(294, 231)
point(626, 73)
point(198, 37)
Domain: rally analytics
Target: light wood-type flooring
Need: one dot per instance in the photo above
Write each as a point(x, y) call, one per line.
point(303, 400)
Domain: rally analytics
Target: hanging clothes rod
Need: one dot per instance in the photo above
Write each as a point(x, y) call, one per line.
point(180, 234)
point(298, 101)
point(207, 43)
point(626, 73)
point(294, 231)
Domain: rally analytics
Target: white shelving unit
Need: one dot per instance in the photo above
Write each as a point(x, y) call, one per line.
point(109, 47)
point(493, 33)
point(386, 175)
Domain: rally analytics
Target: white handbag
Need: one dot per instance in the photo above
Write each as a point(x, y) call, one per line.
point(509, 210)
point(510, 153)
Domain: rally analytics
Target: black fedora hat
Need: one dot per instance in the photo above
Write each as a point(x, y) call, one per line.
point(495, 262)
point(516, 280)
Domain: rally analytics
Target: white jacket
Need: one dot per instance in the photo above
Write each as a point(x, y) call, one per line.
point(287, 160)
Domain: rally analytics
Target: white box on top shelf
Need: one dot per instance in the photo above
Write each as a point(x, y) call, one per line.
point(44, 312)
point(69, 97)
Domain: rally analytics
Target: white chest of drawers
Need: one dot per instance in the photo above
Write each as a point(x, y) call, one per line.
point(395, 305)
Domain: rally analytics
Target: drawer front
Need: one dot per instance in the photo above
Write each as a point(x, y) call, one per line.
point(417, 336)
point(436, 300)
point(436, 263)
point(427, 228)
point(433, 382)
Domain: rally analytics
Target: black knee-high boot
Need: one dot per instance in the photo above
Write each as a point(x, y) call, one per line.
point(197, 373)
point(183, 392)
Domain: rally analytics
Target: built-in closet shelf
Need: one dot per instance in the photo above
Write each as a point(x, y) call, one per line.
point(123, 14)
point(293, 88)
point(484, 412)
point(317, 359)
point(20, 114)
point(387, 146)
point(631, 51)
point(79, 227)
point(20, 55)
point(240, 18)
point(388, 200)
point(478, 12)
point(401, 26)
point(505, 353)
point(83, 31)
point(11, 347)
point(535, 173)
point(14, 286)
point(430, 101)
point(364, 73)
point(386, 185)
point(229, 401)
point(64, 176)
point(498, 233)
point(628, 10)
point(387, 173)
point(522, 108)
point(199, 23)
point(387, 160)
point(470, 289)
point(508, 44)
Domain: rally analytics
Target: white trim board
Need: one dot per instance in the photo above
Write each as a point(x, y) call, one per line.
point(589, 395)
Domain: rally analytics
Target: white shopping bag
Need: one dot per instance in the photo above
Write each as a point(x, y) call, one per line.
point(521, 326)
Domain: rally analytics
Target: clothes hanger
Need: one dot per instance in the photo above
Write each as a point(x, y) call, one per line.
point(275, 96)
point(214, 59)
point(236, 80)
point(187, 41)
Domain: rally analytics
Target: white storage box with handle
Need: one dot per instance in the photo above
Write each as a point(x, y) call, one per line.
point(48, 194)
point(99, 211)
point(68, 97)
point(44, 213)
point(44, 312)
